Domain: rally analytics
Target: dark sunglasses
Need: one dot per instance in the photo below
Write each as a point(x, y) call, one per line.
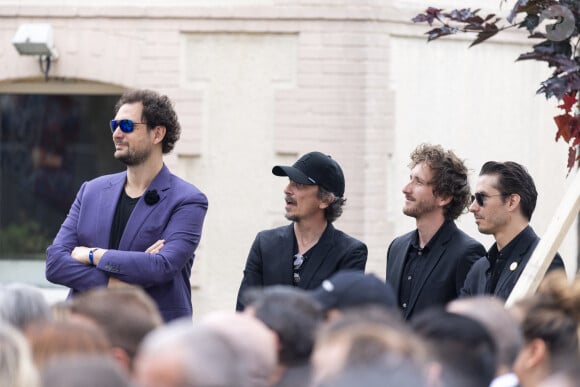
point(481, 197)
point(126, 126)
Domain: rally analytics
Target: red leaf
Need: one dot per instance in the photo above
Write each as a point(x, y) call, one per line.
point(563, 123)
point(569, 100)
point(571, 158)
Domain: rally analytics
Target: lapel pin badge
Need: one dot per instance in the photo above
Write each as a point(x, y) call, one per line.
point(513, 266)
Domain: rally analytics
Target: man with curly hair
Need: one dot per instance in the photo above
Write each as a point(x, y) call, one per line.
point(427, 266)
point(308, 250)
point(140, 226)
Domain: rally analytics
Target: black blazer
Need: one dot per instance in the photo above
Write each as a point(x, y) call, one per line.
point(521, 253)
point(270, 259)
point(449, 261)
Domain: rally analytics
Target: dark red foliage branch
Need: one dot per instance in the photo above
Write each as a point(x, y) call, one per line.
point(556, 24)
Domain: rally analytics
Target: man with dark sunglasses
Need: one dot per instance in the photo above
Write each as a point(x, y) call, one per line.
point(427, 266)
point(503, 205)
point(140, 226)
point(309, 250)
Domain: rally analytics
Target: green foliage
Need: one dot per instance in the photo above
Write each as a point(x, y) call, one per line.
point(26, 240)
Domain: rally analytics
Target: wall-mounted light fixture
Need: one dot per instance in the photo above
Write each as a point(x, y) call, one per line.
point(36, 39)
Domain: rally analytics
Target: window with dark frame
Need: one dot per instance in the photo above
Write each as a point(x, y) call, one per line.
point(49, 145)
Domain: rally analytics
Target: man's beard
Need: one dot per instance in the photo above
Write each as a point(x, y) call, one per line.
point(292, 218)
point(132, 158)
point(419, 209)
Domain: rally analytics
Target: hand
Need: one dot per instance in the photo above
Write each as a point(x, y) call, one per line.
point(116, 283)
point(81, 254)
point(156, 247)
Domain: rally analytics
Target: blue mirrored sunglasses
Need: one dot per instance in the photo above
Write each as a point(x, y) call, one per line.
point(126, 126)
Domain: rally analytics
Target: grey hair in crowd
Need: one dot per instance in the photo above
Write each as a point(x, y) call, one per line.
point(85, 371)
point(17, 368)
point(254, 344)
point(21, 304)
point(203, 357)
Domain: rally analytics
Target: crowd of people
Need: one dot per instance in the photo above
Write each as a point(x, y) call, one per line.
point(307, 314)
point(348, 332)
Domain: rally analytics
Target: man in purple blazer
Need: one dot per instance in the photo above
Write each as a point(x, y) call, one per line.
point(138, 227)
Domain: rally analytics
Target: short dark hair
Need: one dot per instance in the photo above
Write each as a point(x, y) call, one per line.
point(293, 315)
point(334, 209)
point(126, 314)
point(157, 110)
point(514, 178)
point(461, 344)
point(449, 177)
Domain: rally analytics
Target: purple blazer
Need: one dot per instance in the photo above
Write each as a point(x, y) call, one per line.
point(177, 217)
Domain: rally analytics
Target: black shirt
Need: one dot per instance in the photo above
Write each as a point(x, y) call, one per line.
point(414, 267)
point(125, 207)
point(497, 261)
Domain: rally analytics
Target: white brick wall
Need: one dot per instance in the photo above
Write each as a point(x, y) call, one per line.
point(260, 82)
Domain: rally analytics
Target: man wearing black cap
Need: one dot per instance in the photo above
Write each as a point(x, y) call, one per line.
point(310, 249)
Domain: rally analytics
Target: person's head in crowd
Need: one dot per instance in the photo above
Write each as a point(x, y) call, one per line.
point(21, 304)
point(85, 371)
point(52, 339)
point(125, 313)
point(180, 354)
point(498, 321)
point(17, 368)
point(293, 316)
point(366, 314)
point(318, 176)
point(463, 352)
point(353, 288)
point(353, 340)
point(550, 329)
point(393, 371)
point(254, 344)
point(447, 181)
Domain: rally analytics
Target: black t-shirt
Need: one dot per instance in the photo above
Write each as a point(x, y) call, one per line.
point(125, 207)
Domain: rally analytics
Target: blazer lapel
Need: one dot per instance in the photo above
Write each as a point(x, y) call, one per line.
point(286, 244)
point(516, 262)
point(320, 252)
point(142, 210)
point(107, 205)
point(395, 266)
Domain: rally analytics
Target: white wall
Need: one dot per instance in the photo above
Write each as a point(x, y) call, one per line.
point(257, 83)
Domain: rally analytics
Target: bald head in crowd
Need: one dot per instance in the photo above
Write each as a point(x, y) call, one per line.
point(181, 354)
point(254, 344)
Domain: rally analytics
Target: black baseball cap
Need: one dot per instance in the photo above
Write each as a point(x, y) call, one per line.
point(349, 288)
point(315, 168)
